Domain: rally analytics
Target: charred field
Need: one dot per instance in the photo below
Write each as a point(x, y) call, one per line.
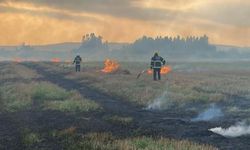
point(198, 105)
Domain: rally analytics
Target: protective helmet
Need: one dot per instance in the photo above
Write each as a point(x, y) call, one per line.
point(156, 54)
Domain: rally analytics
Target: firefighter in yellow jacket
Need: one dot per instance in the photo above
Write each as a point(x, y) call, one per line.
point(156, 63)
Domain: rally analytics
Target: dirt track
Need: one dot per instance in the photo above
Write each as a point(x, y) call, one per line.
point(169, 123)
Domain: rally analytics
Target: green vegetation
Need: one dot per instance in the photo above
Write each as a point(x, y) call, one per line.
point(15, 71)
point(30, 138)
point(187, 83)
point(105, 141)
point(73, 105)
point(25, 93)
point(44, 91)
point(15, 97)
point(24, 96)
point(18, 96)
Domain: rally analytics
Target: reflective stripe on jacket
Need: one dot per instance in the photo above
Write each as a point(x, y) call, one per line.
point(157, 62)
point(77, 60)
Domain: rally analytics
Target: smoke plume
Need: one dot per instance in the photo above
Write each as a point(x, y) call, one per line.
point(213, 112)
point(159, 102)
point(237, 130)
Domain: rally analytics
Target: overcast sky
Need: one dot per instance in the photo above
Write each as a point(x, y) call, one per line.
point(54, 21)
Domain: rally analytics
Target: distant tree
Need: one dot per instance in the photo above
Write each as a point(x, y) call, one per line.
point(92, 45)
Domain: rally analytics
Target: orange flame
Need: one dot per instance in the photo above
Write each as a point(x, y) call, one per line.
point(18, 60)
point(150, 71)
point(164, 70)
point(55, 60)
point(110, 66)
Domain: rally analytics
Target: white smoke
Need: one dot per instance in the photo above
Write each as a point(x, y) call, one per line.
point(213, 112)
point(159, 102)
point(234, 131)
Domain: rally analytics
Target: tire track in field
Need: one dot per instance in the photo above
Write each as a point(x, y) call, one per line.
point(168, 123)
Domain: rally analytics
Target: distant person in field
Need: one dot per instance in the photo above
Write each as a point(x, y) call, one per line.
point(156, 63)
point(77, 62)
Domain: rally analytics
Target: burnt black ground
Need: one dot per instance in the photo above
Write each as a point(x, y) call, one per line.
point(169, 123)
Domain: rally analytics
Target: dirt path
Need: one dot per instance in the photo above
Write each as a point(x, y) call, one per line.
point(169, 123)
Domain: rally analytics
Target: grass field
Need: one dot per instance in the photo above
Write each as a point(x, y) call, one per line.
point(80, 122)
point(25, 93)
point(187, 83)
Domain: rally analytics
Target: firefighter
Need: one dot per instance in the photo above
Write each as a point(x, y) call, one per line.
point(156, 63)
point(77, 62)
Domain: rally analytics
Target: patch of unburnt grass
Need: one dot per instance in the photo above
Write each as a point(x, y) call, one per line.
point(29, 138)
point(17, 71)
point(43, 95)
point(106, 141)
point(18, 95)
point(75, 103)
point(15, 97)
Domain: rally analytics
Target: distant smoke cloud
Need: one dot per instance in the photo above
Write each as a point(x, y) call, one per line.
point(213, 112)
point(237, 130)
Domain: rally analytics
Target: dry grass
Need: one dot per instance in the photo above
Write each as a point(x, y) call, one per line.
point(15, 97)
point(188, 82)
point(29, 138)
point(141, 91)
point(17, 71)
point(47, 96)
point(23, 96)
point(18, 95)
point(73, 104)
point(105, 141)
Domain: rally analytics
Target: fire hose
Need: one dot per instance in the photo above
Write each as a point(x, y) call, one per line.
point(164, 70)
point(138, 76)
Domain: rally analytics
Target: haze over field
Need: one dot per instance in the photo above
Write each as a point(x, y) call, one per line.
point(39, 22)
point(125, 74)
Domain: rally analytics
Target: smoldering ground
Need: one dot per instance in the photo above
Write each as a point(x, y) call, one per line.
point(211, 113)
point(239, 129)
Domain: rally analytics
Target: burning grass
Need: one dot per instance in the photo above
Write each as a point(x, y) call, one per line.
point(183, 86)
point(126, 85)
point(55, 60)
point(110, 66)
point(186, 83)
point(164, 70)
